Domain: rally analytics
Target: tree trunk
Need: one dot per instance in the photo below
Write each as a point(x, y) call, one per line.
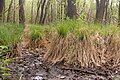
point(119, 15)
point(2, 3)
point(21, 12)
point(9, 11)
point(106, 12)
point(38, 9)
point(46, 11)
point(100, 10)
point(71, 9)
point(42, 12)
point(32, 11)
point(14, 13)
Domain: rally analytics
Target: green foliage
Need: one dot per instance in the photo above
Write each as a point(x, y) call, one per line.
point(10, 33)
point(80, 28)
point(104, 30)
point(64, 27)
point(80, 36)
point(63, 30)
point(36, 32)
point(82, 33)
point(3, 62)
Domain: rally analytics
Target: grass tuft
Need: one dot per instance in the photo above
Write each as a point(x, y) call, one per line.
point(10, 33)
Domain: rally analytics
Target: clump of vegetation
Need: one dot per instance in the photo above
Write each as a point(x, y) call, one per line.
point(63, 30)
point(84, 45)
point(78, 43)
point(37, 31)
point(10, 33)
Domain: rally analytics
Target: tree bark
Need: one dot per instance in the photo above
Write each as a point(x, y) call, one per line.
point(14, 13)
point(42, 12)
point(46, 11)
point(4, 12)
point(38, 9)
point(100, 10)
point(32, 11)
point(21, 12)
point(9, 11)
point(106, 11)
point(71, 9)
point(119, 15)
point(2, 4)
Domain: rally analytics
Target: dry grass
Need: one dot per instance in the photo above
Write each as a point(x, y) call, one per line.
point(32, 38)
point(77, 45)
point(93, 50)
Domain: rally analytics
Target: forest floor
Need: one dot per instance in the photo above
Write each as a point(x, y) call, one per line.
point(31, 67)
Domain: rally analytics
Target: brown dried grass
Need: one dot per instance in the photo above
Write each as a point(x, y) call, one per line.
point(93, 50)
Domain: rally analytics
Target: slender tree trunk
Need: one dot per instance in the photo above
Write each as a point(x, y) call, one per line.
point(90, 12)
point(46, 10)
point(9, 11)
point(2, 4)
point(4, 13)
point(14, 13)
point(100, 10)
point(42, 12)
point(111, 12)
point(106, 12)
point(38, 9)
point(119, 15)
point(83, 7)
point(21, 12)
point(71, 9)
point(32, 11)
point(51, 16)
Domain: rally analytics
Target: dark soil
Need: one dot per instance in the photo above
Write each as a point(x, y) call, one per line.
point(31, 67)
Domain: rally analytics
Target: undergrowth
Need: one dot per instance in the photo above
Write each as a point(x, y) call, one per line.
point(10, 33)
point(75, 41)
point(78, 43)
point(38, 32)
point(78, 28)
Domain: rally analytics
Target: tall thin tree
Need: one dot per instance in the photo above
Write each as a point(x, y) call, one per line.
point(100, 10)
point(32, 7)
point(9, 11)
point(42, 12)
point(46, 12)
point(71, 9)
point(21, 12)
point(14, 13)
point(2, 3)
point(119, 14)
point(38, 9)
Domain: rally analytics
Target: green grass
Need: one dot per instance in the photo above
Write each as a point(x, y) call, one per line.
point(38, 31)
point(10, 33)
point(78, 27)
